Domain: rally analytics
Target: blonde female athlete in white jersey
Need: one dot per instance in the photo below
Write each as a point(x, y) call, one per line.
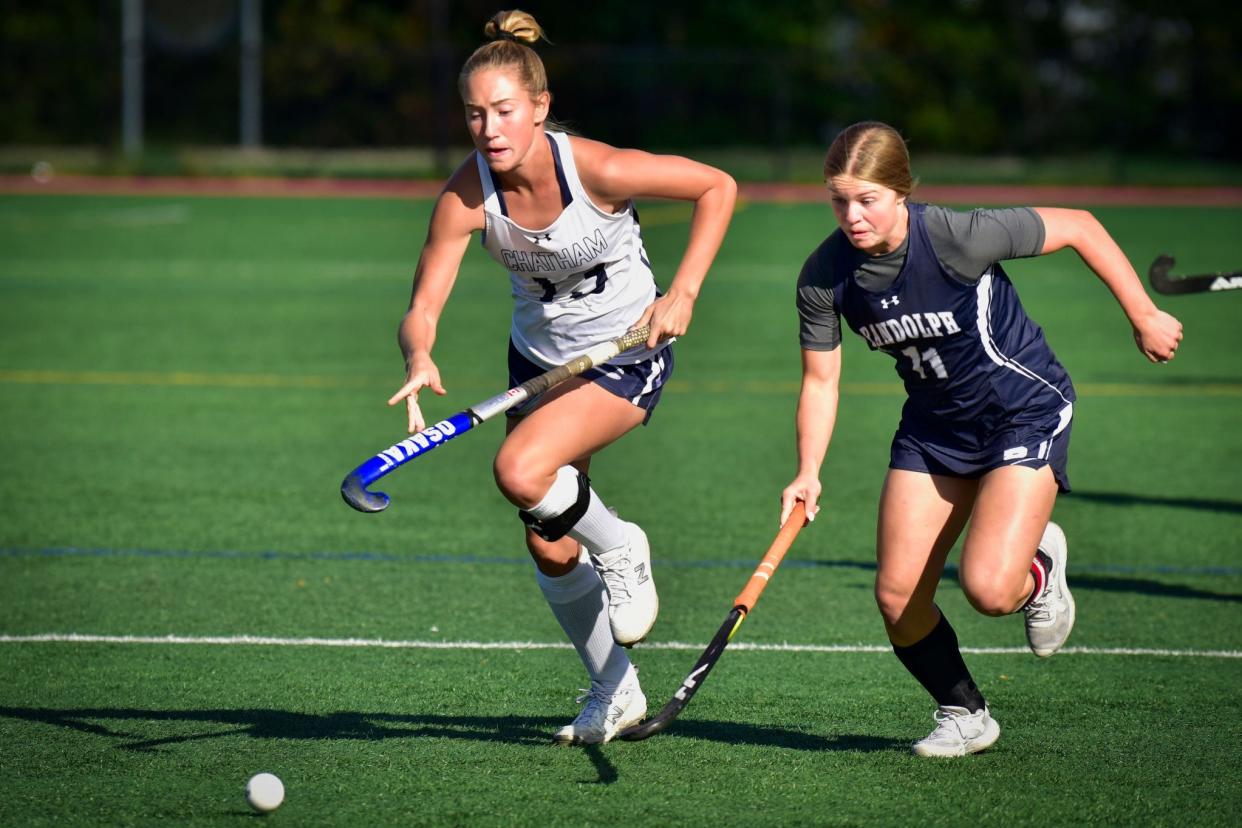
point(556, 211)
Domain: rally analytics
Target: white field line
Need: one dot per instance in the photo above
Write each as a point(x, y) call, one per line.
point(270, 641)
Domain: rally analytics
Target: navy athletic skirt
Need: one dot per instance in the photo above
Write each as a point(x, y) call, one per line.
point(641, 383)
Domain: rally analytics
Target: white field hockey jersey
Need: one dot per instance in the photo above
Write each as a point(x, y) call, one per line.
point(582, 280)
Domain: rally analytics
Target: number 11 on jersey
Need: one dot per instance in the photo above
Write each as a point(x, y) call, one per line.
point(928, 358)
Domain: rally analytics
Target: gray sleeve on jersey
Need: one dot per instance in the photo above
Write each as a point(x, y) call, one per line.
point(819, 324)
point(968, 243)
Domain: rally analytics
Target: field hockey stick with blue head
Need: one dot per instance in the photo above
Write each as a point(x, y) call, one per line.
point(354, 487)
point(742, 604)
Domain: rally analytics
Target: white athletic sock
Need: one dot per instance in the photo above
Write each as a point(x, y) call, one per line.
point(599, 530)
point(579, 603)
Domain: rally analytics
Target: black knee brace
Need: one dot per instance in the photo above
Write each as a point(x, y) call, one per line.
point(555, 528)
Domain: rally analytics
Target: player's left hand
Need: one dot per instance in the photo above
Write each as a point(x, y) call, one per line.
point(1158, 335)
point(669, 316)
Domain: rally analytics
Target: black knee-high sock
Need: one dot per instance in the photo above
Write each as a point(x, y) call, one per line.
point(937, 663)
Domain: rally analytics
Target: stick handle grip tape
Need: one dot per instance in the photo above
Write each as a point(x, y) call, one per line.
point(772, 559)
point(537, 385)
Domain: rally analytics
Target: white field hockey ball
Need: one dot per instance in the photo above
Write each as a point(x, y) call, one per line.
point(265, 792)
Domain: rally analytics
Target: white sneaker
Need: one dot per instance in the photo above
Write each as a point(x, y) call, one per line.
point(604, 715)
point(632, 600)
point(959, 732)
point(1050, 615)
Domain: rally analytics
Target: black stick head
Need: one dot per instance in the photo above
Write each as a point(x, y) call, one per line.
point(1158, 275)
point(1162, 281)
point(644, 729)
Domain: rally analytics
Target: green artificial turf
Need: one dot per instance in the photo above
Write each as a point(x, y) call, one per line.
point(185, 381)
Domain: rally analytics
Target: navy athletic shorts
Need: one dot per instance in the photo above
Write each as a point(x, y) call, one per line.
point(1035, 445)
point(641, 383)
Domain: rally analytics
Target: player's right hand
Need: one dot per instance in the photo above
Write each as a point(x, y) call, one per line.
point(1157, 336)
point(423, 373)
point(806, 489)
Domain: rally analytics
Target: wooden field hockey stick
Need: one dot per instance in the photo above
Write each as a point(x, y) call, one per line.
point(742, 605)
point(354, 487)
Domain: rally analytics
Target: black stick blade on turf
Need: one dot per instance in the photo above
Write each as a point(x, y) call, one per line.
point(1162, 281)
point(742, 604)
point(661, 720)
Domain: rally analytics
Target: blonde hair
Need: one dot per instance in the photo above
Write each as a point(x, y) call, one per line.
point(871, 151)
point(511, 33)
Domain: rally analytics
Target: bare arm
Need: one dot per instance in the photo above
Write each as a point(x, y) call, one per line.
point(816, 417)
point(1156, 333)
point(616, 175)
point(452, 223)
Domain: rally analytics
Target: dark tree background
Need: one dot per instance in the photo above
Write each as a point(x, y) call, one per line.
point(974, 76)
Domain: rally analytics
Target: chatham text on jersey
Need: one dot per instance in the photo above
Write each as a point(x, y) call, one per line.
point(543, 261)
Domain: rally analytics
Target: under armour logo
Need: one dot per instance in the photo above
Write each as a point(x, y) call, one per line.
point(894, 301)
point(540, 236)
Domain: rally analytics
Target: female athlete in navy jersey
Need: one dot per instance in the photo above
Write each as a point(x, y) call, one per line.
point(985, 429)
point(557, 213)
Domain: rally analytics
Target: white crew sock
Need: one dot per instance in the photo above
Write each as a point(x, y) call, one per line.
point(579, 603)
point(599, 530)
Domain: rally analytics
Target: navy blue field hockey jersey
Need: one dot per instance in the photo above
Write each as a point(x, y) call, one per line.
point(971, 359)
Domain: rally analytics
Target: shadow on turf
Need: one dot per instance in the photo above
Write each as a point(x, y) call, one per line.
point(279, 724)
point(1233, 507)
point(1143, 586)
point(121, 723)
point(735, 733)
point(607, 770)
point(1104, 583)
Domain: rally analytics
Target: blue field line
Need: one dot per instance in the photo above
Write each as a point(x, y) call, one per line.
point(388, 557)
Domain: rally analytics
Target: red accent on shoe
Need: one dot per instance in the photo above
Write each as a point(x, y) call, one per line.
point(1041, 580)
